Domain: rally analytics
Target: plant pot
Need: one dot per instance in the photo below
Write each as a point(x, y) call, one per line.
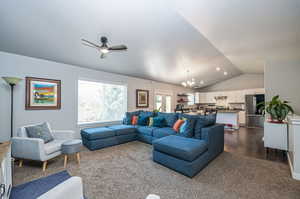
point(276, 121)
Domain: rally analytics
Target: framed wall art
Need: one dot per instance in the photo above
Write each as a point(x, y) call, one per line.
point(142, 98)
point(42, 94)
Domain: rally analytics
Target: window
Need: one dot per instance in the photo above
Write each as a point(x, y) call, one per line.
point(101, 102)
point(191, 99)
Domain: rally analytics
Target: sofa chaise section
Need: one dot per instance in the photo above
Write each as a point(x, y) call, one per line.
point(189, 155)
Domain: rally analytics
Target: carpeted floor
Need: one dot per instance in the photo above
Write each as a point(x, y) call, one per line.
point(128, 172)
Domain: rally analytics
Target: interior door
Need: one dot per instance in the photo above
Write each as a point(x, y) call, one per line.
point(163, 103)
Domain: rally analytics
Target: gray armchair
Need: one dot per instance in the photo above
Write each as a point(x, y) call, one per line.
point(24, 147)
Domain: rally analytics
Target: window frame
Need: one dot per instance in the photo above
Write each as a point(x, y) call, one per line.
point(87, 124)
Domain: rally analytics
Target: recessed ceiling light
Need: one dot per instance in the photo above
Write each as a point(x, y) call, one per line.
point(225, 73)
point(201, 82)
point(218, 68)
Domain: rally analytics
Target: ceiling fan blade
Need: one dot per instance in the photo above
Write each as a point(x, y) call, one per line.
point(91, 43)
point(119, 47)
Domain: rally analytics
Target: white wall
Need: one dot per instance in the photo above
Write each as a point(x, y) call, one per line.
point(283, 78)
point(241, 82)
point(66, 117)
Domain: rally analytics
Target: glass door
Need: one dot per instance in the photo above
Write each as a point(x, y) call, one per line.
point(163, 103)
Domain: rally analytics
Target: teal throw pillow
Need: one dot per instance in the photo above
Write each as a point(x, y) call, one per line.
point(187, 128)
point(158, 122)
point(143, 120)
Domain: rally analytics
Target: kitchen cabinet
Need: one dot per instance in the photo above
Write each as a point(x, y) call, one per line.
point(240, 97)
point(232, 96)
point(205, 97)
point(242, 118)
point(210, 97)
point(200, 97)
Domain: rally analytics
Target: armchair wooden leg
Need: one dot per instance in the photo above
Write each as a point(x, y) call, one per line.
point(20, 163)
point(44, 165)
point(78, 157)
point(65, 161)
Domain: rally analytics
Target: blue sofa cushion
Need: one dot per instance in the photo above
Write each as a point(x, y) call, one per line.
point(170, 118)
point(146, 130)
point(97, 133)
point(187, 149)
point(204, 121)
point(200, 121)
point(159, 122)
point(146, 114)
point(143, 120)
point(162, 132)
point(123, 129)
point(128, 117)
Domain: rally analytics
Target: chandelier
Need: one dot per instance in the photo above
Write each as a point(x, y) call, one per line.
point(189, 82)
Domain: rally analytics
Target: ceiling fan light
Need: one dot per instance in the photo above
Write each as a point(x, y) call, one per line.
point(104, 50)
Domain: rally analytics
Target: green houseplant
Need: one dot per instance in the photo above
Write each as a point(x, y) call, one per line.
point(157, 110)
point(277, 109)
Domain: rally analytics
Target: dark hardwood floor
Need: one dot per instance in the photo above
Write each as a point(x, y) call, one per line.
point(248, 142)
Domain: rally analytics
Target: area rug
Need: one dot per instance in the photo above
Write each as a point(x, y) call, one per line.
point(128, 172)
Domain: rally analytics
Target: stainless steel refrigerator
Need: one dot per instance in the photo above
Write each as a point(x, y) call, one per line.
point(254, 117)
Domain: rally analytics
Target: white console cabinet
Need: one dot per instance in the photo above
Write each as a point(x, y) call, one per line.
point(275, 136)
point(294, 146)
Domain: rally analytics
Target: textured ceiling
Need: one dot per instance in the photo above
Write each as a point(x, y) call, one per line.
point(165, 38)
point(249, 33)
point(162, 45)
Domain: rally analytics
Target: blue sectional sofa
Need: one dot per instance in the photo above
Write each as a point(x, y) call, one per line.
point(186, 152)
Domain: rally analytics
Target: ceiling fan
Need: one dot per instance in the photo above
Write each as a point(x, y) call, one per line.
point(103, 48)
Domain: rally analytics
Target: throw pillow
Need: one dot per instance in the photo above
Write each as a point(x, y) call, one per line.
point(128, 117)
point(187, 128)
point(150, 121)
point(177, 125)
point(170, 118)
point(40, 131)
point(134, 120)
point(158, 122)
point(142, 120)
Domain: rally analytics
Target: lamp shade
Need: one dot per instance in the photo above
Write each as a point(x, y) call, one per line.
point(12, 80)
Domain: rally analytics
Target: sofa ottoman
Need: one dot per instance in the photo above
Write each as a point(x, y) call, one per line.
point(185, 155)
point(124, 133)
point(97, 138)
point(101, 137)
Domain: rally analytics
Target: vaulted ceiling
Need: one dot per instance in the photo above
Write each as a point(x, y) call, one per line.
point(248, 33)
point(164, 38)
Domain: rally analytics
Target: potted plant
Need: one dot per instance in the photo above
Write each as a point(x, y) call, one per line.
point(277, 109)
point(155, 111)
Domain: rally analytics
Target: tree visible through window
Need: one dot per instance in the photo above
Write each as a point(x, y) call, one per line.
point(101, 102)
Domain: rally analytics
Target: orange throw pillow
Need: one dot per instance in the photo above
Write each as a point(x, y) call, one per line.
point(177, 125)
point(134, 120)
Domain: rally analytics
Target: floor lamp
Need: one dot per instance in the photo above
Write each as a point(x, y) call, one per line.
point(12, 82)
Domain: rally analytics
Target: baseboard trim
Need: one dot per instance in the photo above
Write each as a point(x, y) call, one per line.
point(295, 175)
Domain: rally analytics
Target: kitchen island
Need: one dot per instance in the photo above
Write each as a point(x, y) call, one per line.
point(229, 118)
